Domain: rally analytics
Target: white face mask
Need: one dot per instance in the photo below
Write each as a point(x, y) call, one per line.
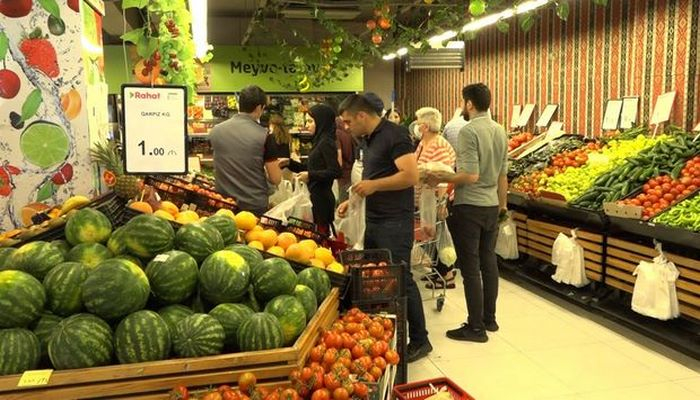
point(416, 131)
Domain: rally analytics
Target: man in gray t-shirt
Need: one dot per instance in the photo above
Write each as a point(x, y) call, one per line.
point(481, 186)
point(244, 160)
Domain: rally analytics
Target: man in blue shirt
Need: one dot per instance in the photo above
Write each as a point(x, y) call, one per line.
point(390, 172)
point(481, 186)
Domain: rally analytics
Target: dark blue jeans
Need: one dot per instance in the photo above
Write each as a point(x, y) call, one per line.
point(397, 236)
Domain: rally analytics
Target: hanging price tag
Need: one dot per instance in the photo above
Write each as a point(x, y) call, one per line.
point(35, 378)
point(662, 108)
point(525, 116)
point(611, 118)
point(517, 110)
point(547, 115)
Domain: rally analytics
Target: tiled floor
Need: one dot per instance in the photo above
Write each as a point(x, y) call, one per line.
point(551, 350)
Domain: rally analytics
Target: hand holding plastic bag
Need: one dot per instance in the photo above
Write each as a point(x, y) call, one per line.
point(284, 191)
point(507, 241)
point(568, 256)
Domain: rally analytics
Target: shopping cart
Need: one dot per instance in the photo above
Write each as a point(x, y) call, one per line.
point(424, 260)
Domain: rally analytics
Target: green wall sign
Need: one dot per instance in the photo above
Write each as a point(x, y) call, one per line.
point(232, 68)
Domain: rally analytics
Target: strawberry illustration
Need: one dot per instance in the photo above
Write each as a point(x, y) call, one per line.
point(64, 175)
point(6, 185)
point(40, 54)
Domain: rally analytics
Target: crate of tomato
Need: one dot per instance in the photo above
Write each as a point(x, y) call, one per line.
point(373, 275)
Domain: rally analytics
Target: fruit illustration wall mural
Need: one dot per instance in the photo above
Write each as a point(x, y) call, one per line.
point(44, 137)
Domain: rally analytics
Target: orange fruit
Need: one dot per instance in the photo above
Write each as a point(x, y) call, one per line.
point(286, 239)
point(325, 255)
point(164, 214)
point(256, 245)
point(268, 237)
point(276, 250)
point(31, 210)
point(169, 207)
point(71, 103)
point(298, 253)
point(253, 236)
point(246, 220)
point(142, 206)
point(315, 262)
point(309, 244)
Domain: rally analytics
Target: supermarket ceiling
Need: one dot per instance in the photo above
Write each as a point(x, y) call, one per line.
point(230, 20)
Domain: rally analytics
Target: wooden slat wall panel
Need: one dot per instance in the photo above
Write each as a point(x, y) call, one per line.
point(629, 48)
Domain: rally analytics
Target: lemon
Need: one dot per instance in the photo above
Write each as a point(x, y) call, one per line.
point(44, 144)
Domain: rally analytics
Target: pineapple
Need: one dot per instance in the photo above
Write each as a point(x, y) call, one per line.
point(108, 155)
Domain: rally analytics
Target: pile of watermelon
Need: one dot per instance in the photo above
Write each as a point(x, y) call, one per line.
point(145, 291)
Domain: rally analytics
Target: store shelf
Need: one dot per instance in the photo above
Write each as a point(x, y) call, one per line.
point(578, 216)
point(663, 233)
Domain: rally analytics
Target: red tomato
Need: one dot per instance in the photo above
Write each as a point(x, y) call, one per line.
point(330, 356)
point(646, 187)
point(675, 192)
point(341, 394)
point(306, 374)
point(348, 341)
point(352, 327)
point(317, 353)
point(695, 182)
point(653, 198)
point(330, 381)
point(333, 340)
point(317, 380)
point(360, 390)
point(246, 382)
point(376, 330)
point(212, 396)
point(289, 394)
point(179, 393)
point(692, 187)
point(669, 197)
point(321, 394)
point(358, 351)
point(380, 362)
point(653, 183)
point(229, 395)
point(635, 202)
point(376, 372)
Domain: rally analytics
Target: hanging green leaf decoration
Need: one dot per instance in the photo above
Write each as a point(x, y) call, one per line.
point(4, 44)
point(563, 9)
point(527, 22)
point(503, 26)
point(46, 191)
point(31, 104)
point(133, 36)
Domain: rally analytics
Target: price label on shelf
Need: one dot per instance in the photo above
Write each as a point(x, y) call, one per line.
point(662, 108)
point(611, 117)
point(155, 129)
point(36, 377)
point(630, 109)
point(525, 116)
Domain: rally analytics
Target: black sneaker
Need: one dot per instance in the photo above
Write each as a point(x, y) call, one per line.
point(415, 352)
point(491, 326)
point(468, 334)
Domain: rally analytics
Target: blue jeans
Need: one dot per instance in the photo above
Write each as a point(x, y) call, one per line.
point(397, 236)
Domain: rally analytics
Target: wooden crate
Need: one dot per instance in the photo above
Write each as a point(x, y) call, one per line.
point(623, 257)
point(521, 224)
point(153, 378)
point(541, 236)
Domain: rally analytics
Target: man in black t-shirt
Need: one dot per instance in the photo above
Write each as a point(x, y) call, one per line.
point(390, 172)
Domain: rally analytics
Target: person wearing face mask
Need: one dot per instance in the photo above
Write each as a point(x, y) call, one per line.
point(481, 186)
point(322, 167)
point(394, 116)
point(244, 161)
point(433, 147)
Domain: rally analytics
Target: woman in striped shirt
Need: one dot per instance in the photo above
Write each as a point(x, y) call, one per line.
point(434, 148)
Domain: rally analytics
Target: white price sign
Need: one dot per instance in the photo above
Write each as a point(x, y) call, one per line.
point(630, 109)
point(155, 129)
point(526, 115)
point(662, 108)
point(517, 109)
point(547, 115)
point(611, 118)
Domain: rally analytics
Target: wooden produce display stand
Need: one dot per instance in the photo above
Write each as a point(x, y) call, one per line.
point(152, 380)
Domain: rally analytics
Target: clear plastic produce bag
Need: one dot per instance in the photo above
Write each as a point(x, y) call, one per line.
point(654, 292)
point(567, 255)
point(507, 242)
point(428, 210)
point(446, 247)
point(284, 191)
point(303, 208)
point(353, 225)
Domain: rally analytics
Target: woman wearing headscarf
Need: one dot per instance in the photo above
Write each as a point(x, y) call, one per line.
point(322, 167)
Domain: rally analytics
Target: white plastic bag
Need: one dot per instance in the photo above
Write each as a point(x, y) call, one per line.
point(507, 242)
point(303, 208)
point(284, 191)
point(567, 255)
point(654, 292)
point(356, 171)
point(428, 210)
point(353, 225)
point(446, 247)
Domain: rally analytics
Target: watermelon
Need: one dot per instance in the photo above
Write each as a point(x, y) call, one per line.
point(142, 336)
point(250, 301)
point(318, 280)
point(173, 276)
point(224, 277)
point(198, 304)
point(115, 289)
point(199, 240)
point(252, 256)
point(128, 257)
point(36, 258)
point(273, 277)
point(146, 236)
point(226, 227)
point(81, 341)
point(22, 299)
point(5, 255)
point(88, 225)
point(116, 243)
point(262, 331)
point(173, 314)
point(19, 351)
point(64, 288)
point(291, 315)
point(44, 329)
point(62, 246)
point(231, 317)
point(307, 298)
point(198, 335)
point(89, 254)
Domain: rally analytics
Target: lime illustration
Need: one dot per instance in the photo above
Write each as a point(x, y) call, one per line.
point(44, 144)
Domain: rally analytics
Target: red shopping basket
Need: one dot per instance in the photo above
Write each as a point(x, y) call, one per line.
point(422, 390)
